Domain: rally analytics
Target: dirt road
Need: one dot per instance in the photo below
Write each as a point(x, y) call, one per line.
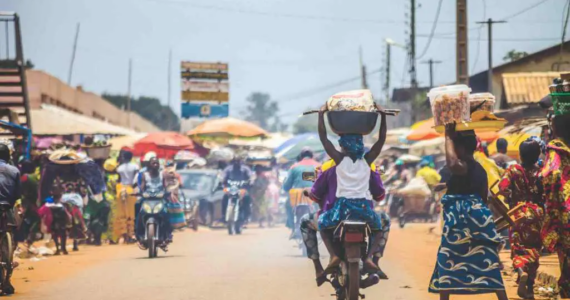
point(207, 265)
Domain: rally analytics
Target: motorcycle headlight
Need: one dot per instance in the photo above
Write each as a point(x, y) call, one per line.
point(158, 208)
point(146, 195)
point(160, 195)
point(147, 208)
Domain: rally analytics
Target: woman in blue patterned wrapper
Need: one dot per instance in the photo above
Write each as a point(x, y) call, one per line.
point(467, 259)
point(353, 197)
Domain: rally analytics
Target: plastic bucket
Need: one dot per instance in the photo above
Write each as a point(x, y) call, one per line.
point(484, 101)
point(561, 103)
point(450, 104)
point(352, 122)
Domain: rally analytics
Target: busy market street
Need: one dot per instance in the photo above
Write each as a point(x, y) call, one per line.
point(212, 265)
point(285, 149)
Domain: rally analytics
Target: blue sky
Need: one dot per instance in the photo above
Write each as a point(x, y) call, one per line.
point(286, 48)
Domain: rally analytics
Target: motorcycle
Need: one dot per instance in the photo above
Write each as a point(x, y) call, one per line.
point(353, 238)
point(191, 212)
point(154, 217)
point(236, 192)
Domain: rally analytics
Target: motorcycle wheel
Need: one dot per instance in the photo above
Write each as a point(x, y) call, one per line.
point(401, 216)
point(353, 287)
point(195, 225)
point(151, 231)
point(230, 227)
point(7, 253)
point(237, 226)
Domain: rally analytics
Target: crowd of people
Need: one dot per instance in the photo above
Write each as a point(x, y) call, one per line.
point(533, 188)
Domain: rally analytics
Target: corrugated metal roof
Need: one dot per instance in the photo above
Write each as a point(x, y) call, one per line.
point(522, 88)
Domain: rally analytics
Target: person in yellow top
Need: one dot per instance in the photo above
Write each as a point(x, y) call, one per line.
point(494, 172)
point(429, 174)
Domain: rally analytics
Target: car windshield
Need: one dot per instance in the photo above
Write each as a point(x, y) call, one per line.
point(197, 181)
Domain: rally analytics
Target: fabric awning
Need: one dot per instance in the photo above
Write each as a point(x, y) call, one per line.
point(52, 120)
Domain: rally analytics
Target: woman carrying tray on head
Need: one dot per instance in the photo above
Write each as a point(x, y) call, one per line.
point(467, 260)
point(521, 186)
point(353, 197)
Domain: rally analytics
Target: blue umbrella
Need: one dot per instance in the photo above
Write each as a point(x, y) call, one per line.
point(295, 140)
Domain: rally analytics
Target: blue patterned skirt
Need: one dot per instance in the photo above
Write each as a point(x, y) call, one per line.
point(350, 209)
point(467, 260)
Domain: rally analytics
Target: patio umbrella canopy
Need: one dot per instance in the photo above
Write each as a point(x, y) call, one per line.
point(227, 128)
point(165, 144)
point(291, 152)
point(422, 131)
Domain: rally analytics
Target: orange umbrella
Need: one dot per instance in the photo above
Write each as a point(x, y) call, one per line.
point(423, 130)
point(227, 127)
point(487, 136)
point(165, 144)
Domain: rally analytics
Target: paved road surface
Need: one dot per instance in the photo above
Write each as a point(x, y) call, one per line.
point(210, 265)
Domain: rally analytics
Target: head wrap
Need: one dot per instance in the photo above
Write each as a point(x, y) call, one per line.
point(399, 162)
point(353, 144)
point(149, 155)
point(540, 142)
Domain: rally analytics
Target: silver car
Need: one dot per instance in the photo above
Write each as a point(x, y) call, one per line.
point(202, 194)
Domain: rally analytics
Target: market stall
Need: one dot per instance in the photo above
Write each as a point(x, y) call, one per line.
point(227, 128)
point(164, 144)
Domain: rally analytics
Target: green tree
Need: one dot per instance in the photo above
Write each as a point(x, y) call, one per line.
point(149, 108)
point(263, 111)
point(514, 55)
point(306, 124)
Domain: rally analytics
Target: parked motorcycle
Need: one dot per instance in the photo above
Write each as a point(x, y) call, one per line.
point(236, 193)
point(155, 219)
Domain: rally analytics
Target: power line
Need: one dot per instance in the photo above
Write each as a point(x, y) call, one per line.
point(524, 10)
point(476, 60)
point(311, 92)
point(500, 40)
point(273, 14)
point(432, 30)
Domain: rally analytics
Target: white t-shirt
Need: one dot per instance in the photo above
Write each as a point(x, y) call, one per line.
point(128, 172)
point(353, 179)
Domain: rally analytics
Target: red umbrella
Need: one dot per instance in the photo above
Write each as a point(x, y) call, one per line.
point(165, 144)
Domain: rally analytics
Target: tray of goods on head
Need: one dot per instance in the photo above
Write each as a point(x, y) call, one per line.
point(481, 120)
point(450, 104)
point(482, 101)
point(354, 112)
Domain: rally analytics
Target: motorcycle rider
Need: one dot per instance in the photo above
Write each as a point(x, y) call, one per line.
point(353, 184)
point(295, 180)
point(237, 171)
point(324, 191)
point(153, 180)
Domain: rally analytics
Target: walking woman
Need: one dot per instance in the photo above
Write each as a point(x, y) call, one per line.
point(556, 180)
point(467, 259)
point(521, 187)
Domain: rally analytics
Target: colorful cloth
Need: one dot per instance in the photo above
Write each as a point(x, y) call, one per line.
point(124, 216)
point(353, 144)
point(556, 228)
point(259, 197)
point(112, 234)
point(176, 214)
point(350, 209)
point(494, 172)
point(520, 185)
point(467, 259)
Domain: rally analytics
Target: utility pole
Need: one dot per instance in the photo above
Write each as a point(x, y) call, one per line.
point(73, 54)
point(462, 66)
point(362, 70)
point(412, 53)
point(169, 76)
point(490, 23)
point(387, 70)
point(389, 44)
point(431, 62)
point(129, 94)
